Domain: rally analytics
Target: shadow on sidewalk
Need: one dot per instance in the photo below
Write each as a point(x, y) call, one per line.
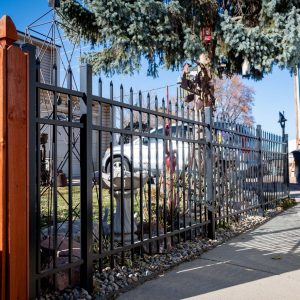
point(272, 249)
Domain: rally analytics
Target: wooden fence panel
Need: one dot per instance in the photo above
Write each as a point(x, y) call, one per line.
point(17, 170)
point(13, 165)
point(2, 169)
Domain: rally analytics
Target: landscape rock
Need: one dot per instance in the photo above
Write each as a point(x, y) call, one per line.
point(112, 281)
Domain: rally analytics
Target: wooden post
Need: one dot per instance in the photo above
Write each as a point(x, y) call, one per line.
point(3, 138)
point(13, 165)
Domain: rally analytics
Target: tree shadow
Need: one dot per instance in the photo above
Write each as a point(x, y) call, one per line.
point(270, 250)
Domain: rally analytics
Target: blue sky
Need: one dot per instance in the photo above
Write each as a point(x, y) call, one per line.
point(273, 94)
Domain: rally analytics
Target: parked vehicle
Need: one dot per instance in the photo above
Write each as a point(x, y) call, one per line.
point(156, 146)
point(244, 160)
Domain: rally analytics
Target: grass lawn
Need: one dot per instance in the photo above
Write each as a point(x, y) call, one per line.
point(47, 206)
point(63, 204)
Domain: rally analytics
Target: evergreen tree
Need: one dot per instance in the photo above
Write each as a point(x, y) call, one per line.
point(168, 33)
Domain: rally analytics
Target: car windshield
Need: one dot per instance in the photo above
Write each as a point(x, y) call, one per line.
point(177, 131)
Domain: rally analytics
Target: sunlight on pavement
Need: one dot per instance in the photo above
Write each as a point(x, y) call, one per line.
point(270, 288)
point(202, 267)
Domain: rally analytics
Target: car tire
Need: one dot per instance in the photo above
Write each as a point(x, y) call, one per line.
point(117, 161)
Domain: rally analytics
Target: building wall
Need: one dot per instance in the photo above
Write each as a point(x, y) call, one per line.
point(49, 55)
point(63, 133)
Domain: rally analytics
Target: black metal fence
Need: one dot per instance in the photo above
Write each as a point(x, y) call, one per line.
point(170, 173)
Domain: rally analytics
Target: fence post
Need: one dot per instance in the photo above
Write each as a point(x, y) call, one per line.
point(32, 168)
point(286, 165)
point(86, 194)
point(209, 172)
point(3, 166)
point(13, 164)
point(260, 168)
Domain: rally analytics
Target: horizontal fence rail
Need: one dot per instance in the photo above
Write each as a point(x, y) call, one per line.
point(117, 179)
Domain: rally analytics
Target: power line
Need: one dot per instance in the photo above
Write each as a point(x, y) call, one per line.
point(148, 91)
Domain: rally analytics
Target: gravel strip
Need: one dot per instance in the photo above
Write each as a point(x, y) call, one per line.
point(111, 282)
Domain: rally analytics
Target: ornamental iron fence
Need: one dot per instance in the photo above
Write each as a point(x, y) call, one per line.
point(152, 174)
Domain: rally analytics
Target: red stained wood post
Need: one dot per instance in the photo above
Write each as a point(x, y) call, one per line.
point(13, 165)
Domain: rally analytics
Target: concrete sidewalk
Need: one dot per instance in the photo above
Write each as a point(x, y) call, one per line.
point(261, 264)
